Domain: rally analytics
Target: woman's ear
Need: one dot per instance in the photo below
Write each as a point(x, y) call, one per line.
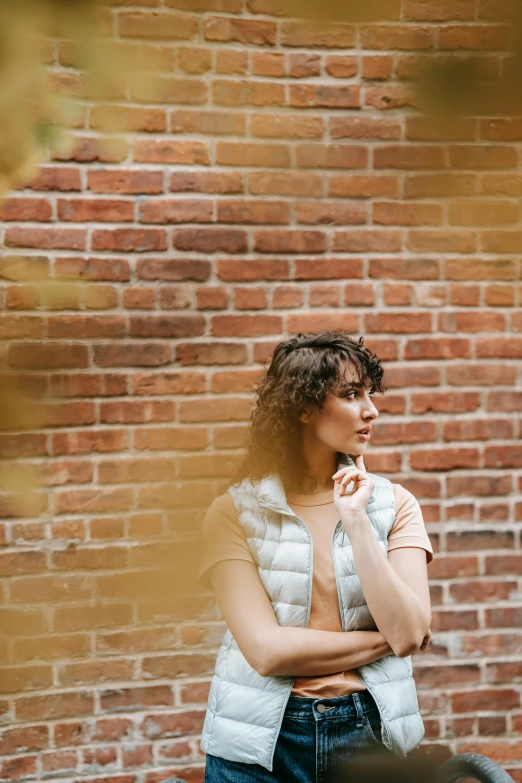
point(305, 416)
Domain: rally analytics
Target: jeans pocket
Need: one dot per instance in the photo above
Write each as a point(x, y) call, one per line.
point(373, 724)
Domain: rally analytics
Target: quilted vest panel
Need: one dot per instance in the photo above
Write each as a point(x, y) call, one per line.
point(245, 710)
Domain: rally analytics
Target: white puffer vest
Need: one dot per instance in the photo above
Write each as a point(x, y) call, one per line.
point(245, 710)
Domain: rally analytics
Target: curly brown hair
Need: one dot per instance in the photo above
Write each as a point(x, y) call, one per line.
point(303, 371)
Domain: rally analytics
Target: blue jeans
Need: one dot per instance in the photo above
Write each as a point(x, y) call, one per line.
point(318, 740)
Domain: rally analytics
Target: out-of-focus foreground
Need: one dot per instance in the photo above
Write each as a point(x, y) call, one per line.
point(232, 174)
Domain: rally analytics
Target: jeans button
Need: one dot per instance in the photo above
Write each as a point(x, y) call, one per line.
point(321, 708)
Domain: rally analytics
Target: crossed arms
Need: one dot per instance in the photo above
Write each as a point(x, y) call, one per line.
point(396, 592)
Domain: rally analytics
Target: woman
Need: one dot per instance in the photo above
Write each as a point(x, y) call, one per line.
point(304, 546)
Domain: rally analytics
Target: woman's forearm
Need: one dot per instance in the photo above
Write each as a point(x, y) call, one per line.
point(396, 609)
point(305, 652)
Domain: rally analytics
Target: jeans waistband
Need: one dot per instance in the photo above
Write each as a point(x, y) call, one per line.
point(353, 705)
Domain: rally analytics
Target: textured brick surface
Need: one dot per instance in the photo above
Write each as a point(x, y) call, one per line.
point(275, 177)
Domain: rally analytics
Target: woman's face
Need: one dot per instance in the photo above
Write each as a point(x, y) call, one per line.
point(344, 414)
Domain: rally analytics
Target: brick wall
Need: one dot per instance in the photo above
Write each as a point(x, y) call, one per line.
point(276, 178)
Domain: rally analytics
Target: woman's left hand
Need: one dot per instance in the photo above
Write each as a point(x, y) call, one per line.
point(355, 502)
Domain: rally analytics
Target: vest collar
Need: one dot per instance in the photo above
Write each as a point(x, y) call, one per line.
point(271, 492)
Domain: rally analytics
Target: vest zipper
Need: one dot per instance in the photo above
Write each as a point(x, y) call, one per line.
point(341, 609)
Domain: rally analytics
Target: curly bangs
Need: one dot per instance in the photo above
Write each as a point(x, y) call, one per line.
point(303, 371)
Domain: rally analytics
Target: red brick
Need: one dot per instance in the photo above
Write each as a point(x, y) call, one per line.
point(364, 128)
point(474, 37)
point(485, 156)
point(126, 118)
point(324, 296)
point(268, 64)
point(194, 60)
point(24, 737)
point(171, 151)
point(322, 321)
point(92, 501)
point(22, 208)
point(437, 348)
point(156, 25)
point(475, 269)
point(367, 240)
point(306, 35)
point(235, 92)
point(302, 66)
point(129, 240)
point(389, 96)
point(210, 240)
point(363, 186)
point(176, 269)
point(88, 149)
point(61, 178)
point(95, 210)
point(408, 156)
point(406, 214)
point(483, 213)
point(249, 299)
point(245, 325)
point(89, 385)
point(232, 61)
point(286, 296)
point(345, 156)
point(18, 768)
point(50, 356)
point(485, 699)
point(53, 706)
point(324, 212)
point(377, 66)
point(252, 154)
point(210, 353)
point(359, 294)
point(250, 31)
point(207, 181)
point(168, 438)
point(95, 269)
point(127, 182)
point(334, 96)
point(287, 126)
point(161, 726)
point(233, 409)
point(341, 66)
point(253, 211)
point(441, 241)
point(172, 210)
point(287, 184)
point(46, 238)
point(135, 412)
point(207, 122)
point(327, 268)
point(499, 296)
point(439, 185)
point(81, 442)
point(397, 37)
point(472, 321)
point(284, 241)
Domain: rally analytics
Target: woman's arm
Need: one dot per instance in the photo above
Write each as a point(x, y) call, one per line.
point(395, 587)
point(272, 649)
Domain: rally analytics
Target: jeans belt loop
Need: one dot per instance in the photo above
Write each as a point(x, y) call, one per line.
point(359, 710)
